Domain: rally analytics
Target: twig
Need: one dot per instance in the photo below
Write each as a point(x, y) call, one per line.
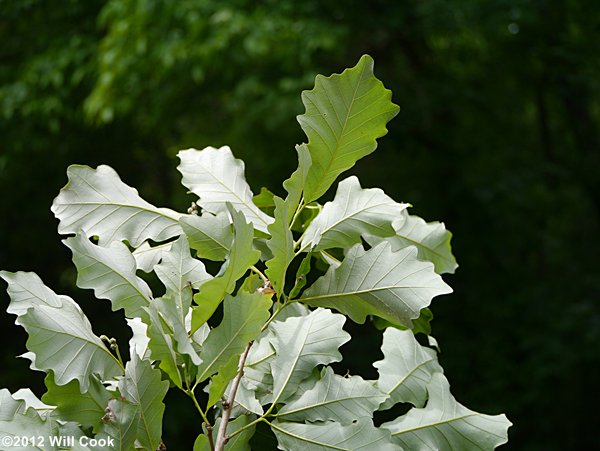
point(209, 430)
point(221, 437)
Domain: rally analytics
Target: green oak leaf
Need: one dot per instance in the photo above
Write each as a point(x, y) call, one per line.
point(392, 285)
point(245, 400)
point(179, 272)
point(330, 435)
point(257, 375)
point(406, 368)
point(264, 201)
point(31, 400)
point(138, 343)
point(301, 343)
point(296, 183)
point(18, 419)
point(430, 238)
point(162, 344)
point(353, 212)
point(202, 443)
point(256, 385)
point(147, 256)
point(281, 244)
point(445, 424)
point(220, 381)
point(243, 317)
point(111, 273)
point(86, 408)
point(217, 178)
point(27, 290)
point(421, 325)
point(143, 387)
point(176, 326)
point(25, 418)
point(99, 203)
point(61, 340)
point(345, 115)
point(333, 397)
point(241, 257)
point(210, 235)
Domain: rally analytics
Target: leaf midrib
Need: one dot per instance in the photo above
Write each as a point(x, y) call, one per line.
point(359, 292)
point(156, 211)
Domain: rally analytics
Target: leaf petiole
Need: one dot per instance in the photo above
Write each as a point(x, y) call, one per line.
point(190, 393)
point(255, 270)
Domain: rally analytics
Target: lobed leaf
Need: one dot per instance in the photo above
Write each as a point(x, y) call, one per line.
point(257, 371)
point(353, 212)
point(281, 245)
point(258, 376)
point(301, 343)
point(18, 420)
point(61, 338)
point(111, 273)
point(176, 325)
point(331, 435)
point(31, 400)
point(295, 185)
point(179, 273)
point(27, 290)
point(139, 341)
point(432, 241)
point(25, 418)
point(217, 178)
point(392, 285)
point(241, 257)
point(86, 408)
point(406, 368)
point(97, 202)
point(345, 114)
point(161, 344)
point(445, 424)
point(210, 235)
point(142, 386)
point(245, 401)
point(335, 398)
point(146, 257)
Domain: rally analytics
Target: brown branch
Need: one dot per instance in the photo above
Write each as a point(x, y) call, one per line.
point(209, 430)
point(228, 405)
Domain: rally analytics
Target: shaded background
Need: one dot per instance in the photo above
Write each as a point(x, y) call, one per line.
point(498, 137)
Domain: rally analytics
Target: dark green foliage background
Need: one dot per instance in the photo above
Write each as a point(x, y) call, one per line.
point(498, 136)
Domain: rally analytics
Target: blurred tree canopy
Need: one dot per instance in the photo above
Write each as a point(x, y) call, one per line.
point(498, 137)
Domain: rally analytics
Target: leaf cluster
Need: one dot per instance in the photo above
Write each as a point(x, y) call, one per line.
point(251, 342)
